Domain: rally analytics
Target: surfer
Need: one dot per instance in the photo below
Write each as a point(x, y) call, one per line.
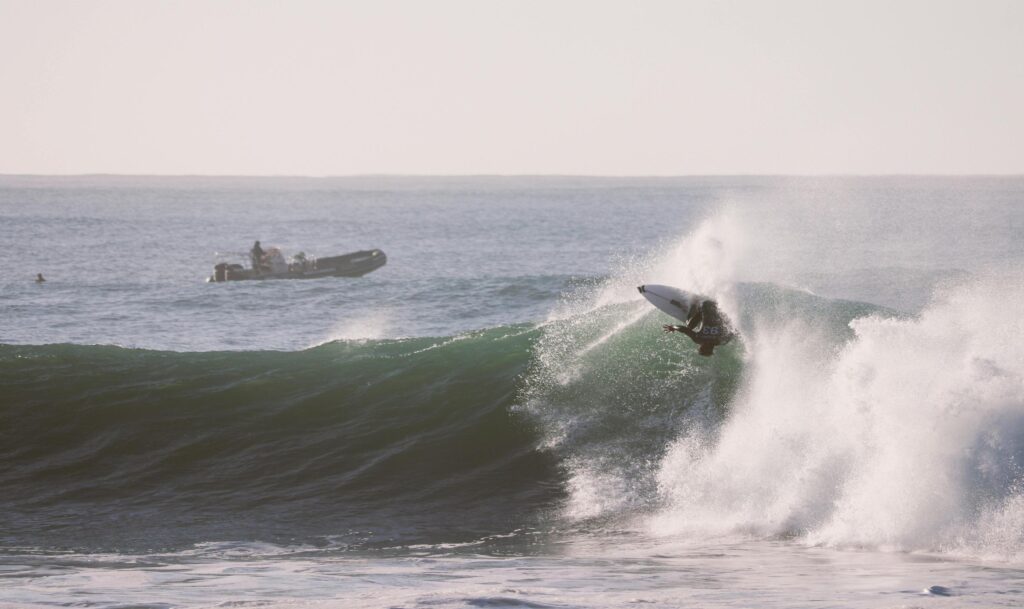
point(713, 330)
point(39, 278)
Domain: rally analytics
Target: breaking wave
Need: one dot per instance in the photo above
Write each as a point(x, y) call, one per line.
point(834, 422)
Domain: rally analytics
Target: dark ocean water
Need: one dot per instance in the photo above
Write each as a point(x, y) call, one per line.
point(495, 418)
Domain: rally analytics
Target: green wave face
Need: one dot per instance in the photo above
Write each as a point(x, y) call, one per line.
point(397, 437)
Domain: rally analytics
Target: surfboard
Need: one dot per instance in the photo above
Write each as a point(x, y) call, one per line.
point(671, 300)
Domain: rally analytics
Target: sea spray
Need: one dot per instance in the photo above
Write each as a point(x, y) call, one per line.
point(908, 434)
point(370, 326)
point(705, 261)
point(610, 390)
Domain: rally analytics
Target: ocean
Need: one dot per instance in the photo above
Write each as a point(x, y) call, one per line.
point(495, 418)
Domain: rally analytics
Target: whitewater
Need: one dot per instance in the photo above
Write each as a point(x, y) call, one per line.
point(495, 418)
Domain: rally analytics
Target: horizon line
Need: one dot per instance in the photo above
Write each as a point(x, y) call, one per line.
point(508, 175)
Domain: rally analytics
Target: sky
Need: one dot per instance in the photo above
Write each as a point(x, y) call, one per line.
point(583, 87)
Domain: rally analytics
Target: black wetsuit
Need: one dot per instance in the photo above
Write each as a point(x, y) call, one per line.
point(713, 330)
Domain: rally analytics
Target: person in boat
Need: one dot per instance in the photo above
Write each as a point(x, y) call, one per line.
point(39, 278)
point(257, 253)
point(705, 326)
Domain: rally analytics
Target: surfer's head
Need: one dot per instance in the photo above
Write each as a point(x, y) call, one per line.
point(707, 350)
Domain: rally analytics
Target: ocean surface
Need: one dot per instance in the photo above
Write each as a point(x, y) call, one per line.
point(495, 418)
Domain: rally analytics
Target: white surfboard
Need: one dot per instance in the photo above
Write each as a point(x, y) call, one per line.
point(671, 300)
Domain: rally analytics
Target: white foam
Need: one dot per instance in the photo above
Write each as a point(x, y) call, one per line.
point(906, 437)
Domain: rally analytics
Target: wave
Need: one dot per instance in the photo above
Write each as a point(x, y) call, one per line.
point(415, 439)
point(411, 435)
point(834, 422)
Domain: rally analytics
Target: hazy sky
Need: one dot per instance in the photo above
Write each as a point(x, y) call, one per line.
point(630, 87)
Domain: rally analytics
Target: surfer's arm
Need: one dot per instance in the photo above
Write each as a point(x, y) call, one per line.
point(682, 329)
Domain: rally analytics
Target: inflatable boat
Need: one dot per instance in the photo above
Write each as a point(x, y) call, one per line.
point(273, 265)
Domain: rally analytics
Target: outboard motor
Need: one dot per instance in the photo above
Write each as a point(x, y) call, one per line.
point(220, 272)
